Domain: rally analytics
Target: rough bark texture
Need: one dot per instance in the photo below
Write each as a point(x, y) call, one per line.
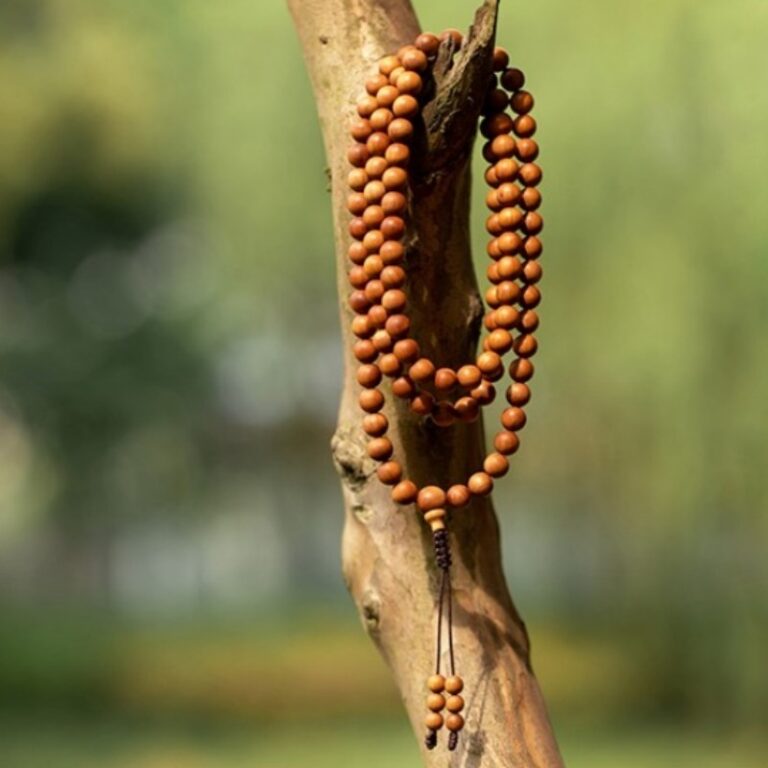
point(386, 551)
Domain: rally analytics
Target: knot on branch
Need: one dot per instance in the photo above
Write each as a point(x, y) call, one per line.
point(350, 458)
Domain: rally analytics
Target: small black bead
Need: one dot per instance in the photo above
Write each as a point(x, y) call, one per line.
point(453, 740)
point(431, 739)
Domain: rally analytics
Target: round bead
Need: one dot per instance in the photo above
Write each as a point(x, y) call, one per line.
point(506, 317)
point(368, 376)
point(454, 685)
point(435, 702)
point(445, 378)
point(387, 64)
point(529, 321)
point(506, 443)
point(480, 484)
point(431, 497)
point(488, 362)
point(518, 394)
point(375, 83)
point(406, 350)
point(358, 155)
point(525, 345)
point(521, 370)
point(513, 79)
point(373, 215)
point(527, 150)
point(500, 59)
point(503, 147)
point(393, 276)
point(400, 129)
point(454, 703)
point(393, 300)
point(390, 473)
point(467, 408)
point(403, 387)
point(436, 683)
point(422, 404)
point(434, 721)
point(397, 178)
point(364, 351)
point(377, 143)
point(496, 465)
point(405, 492)
point(361, 327)
point(454, 36)
point(394, 203)
point(484, 393)
point(375, 424)
point(414, 59)
point(397, 154)
point(454, 722)
point(521, 102)
point(469, 376)
point(530, 199)
point(532, 247)
point(389, 365)
point(422, 370)
point(405, 105)
point(500, 341)
point(371, 400)
point(428, 43)
point(513, 418)
point(457, 495)
point(381, 118)
point(525, 126)
point(357, 179)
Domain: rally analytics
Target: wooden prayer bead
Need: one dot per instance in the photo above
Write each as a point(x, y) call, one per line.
point(445, 378)
point(496, 465)
point(469, 376)
point(530, 199)
point(422, 404)
point(387, 64)
point(436, 702)
point(454, 703)
point(521, 370)
point(532, 272)
point(407, 350)
point(457, 495)
point(454, 36)
point(397, 154)
point(373, 215)
point(532, 247)
point(365, 351)
point(392, 227)
point(389, 473)
point(527, 150)
point(531, 297)
point(484, 393)
point(436, 683)
point(394, 203)
point(375, 424)
point(521, 102)
point(503, 146)
point(405, 492)
point(431, 497)
point(428, 43)
point(506, 443)
point(405, 105)
point(454, 684)
point(480, 484)
point(368, 376)
point(390, 366)
point(525, 126)
point(525, 345)
point(371, 400)
point(414, 59)
point(378, 142)
point(392, 276)
point(500, 341)
point(434, 721)
point(529, 321)
point(518, 394)
point(400, 129)
point(488, 362)
point(454, 722)
point(403, 387)
point(422, 370)
point(467, 408)
point(361, 327)
point(513, 418)
point(500, 59)
point(513, 79)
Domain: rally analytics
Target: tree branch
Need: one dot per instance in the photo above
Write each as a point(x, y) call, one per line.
point(386, 552)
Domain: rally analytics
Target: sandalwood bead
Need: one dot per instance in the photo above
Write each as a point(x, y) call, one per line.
point(393, 300)
point(492, 200)
point(381, 118)
point(358, 155)
point(496, 465)
point(387, 64)
point(382, 341)
point(506, 317)
point(375, 166)
point(395, 178)
point(521, 102)
point(373, 215)
point(493, 247)
point(513, 79)
point(422, 370)
point(526, 345)
point(513, 418)
point(529, 321)
point(454, 722)
point(493, 225)
point(405, 105)
point(361, 129)
point(480, 484)
point(400, 129)
point(508, 292)
point(422, 404)
point(525, 126)
point(394, 203)
point(375, 83)
point(436, 683)
point(403, 387)
point(368, 376)
point(406, 350)
point(357, 228)
point(509, 267)
point(532, 272)
point(518, 393)
point(500, 59)
point(530, 199)
point(357, 253)
point(445, 378)
point(377, 143)
point(496, 100)
point(506, 443)
point(374, 191)
point(467, 408)
point(435, 702)
point(409, 82)
point(357, 179)
point(364, 351)
point(359, 302)
point(361, 327)
point(371, 400)
point(393, 276)
point(531, 297)
point(507, 169)
point(533, 223)
point(532, 247)
point(390, 473)
point(414, 59)
point(488, 362)
point(390, 366)
point(394, 74)
point(357, 202)
point(357, 277)
point(469, 376)
point(484, 393)
point(434, 721)
point(457, 495)
point(493, 273)
point(397, 326)
point(367, 106)
point(521, 369)
point(503, 146)
point(374, 290)
point(454, 703)
point(373, 265)
point(392, 227)
point(454, 36)
point(500, 341)
point(391, 251)
point(375, 424)
point(498, 125)
point(373, 239)
point(454, 684)
point(431, 497)
point(527, 150)
point(397, 154)
point(428, 43)
point(405, 492)
point(508, 195)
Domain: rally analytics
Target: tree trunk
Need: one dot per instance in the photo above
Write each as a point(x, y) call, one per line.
point(387, 554)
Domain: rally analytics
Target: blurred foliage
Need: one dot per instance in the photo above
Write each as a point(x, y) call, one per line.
point(170, 365)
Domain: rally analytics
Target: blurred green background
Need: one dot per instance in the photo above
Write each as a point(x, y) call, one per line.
point(170, 368)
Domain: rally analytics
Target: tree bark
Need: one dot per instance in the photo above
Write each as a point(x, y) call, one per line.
point(386, 551)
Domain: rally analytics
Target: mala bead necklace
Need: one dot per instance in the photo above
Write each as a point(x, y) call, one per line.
point(378, 202)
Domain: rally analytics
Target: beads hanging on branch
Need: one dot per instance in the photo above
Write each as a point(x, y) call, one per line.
point(385, 348)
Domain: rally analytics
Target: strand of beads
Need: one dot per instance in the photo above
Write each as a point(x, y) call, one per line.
point(384, 347)
point(378, 202)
